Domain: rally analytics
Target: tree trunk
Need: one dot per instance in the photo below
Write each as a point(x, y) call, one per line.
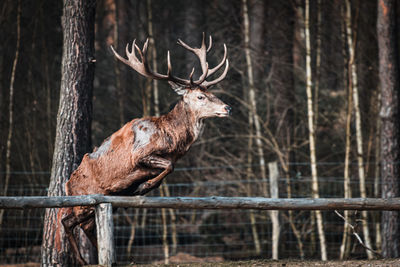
point(249, 176)
point(252, 98)
point(164, 230)
point(10, 111)
point(377, 175)
point(253, 116)
point(317, 65)
point(282, 15)
point(117, 18)
point(194, 22)
point(73, 119)
point(310, 111)
point(389, 114)
point(345, 246)
point(164, 190)
point(133, 223)
point(359, 138)
point(174, 233)
point(154, 64)
point(253, 41)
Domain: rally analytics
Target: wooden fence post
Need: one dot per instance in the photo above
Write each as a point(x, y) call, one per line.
point(274, 214)
point(105, 234)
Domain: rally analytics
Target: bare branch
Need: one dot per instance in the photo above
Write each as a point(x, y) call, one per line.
point(354, 232)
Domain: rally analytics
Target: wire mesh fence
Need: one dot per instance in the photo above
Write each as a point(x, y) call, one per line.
point(148, 235)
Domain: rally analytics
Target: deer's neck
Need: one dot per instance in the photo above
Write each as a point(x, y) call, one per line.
point(185, 121)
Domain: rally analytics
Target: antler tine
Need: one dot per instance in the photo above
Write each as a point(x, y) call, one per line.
point(127, 62)
point(132, 54)
point(203, 41)
point(191, 77)
point(169, 64)
point(209, 44)
point(145, 46)
point(182, 43)
point(220, 78)
point(127, 52)
point(201, 55)
point(143, 54)
point(203, 76)
point(172, 77)
point(211, 71)
point(140, 66)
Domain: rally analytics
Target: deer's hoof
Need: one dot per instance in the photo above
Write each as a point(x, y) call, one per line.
point(142, 189)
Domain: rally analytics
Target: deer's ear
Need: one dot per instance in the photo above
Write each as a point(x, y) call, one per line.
point(179, 89)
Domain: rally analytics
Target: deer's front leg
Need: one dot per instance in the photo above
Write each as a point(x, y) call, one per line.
point(156, 163)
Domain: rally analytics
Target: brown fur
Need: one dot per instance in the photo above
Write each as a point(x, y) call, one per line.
point(136, 158)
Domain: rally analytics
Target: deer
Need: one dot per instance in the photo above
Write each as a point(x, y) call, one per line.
point(135, 159)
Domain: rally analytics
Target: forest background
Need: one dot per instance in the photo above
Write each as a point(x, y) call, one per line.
point(313, 86)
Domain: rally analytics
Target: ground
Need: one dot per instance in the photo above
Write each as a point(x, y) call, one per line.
point(287, 263)
point(259, 263)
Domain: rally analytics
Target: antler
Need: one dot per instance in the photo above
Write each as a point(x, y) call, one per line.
point(142, 66)
point(201, 53)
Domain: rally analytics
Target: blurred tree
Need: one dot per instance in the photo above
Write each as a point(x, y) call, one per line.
point(193, 25)
point(11, 111)
point(359, 133)
point(311, 127)
point(73, 120)
point(346, 240)
point(252, 35)
point(280, 80)
point(389, 114)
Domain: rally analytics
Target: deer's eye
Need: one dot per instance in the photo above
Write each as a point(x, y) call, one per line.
point(200, 97)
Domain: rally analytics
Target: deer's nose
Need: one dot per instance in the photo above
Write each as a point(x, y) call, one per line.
point(228, 109)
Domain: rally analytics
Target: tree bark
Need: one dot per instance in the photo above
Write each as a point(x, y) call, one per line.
point(164, 190)
point(254, 120)
point(345, 246)
point(317, 64)
point(73, 119)
point(389, 115)
point(357, 113)
point(310, 112)
point(252, 98)
point(253, 28)
point(377, 180)
point(282, 15)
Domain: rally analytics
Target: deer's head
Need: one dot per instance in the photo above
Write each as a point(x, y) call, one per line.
point(195, 93)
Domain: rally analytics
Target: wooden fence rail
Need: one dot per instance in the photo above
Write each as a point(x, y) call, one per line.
point(258, 203)
point(104, 205)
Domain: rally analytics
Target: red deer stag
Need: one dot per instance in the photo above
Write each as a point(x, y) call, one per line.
point(136, 158)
